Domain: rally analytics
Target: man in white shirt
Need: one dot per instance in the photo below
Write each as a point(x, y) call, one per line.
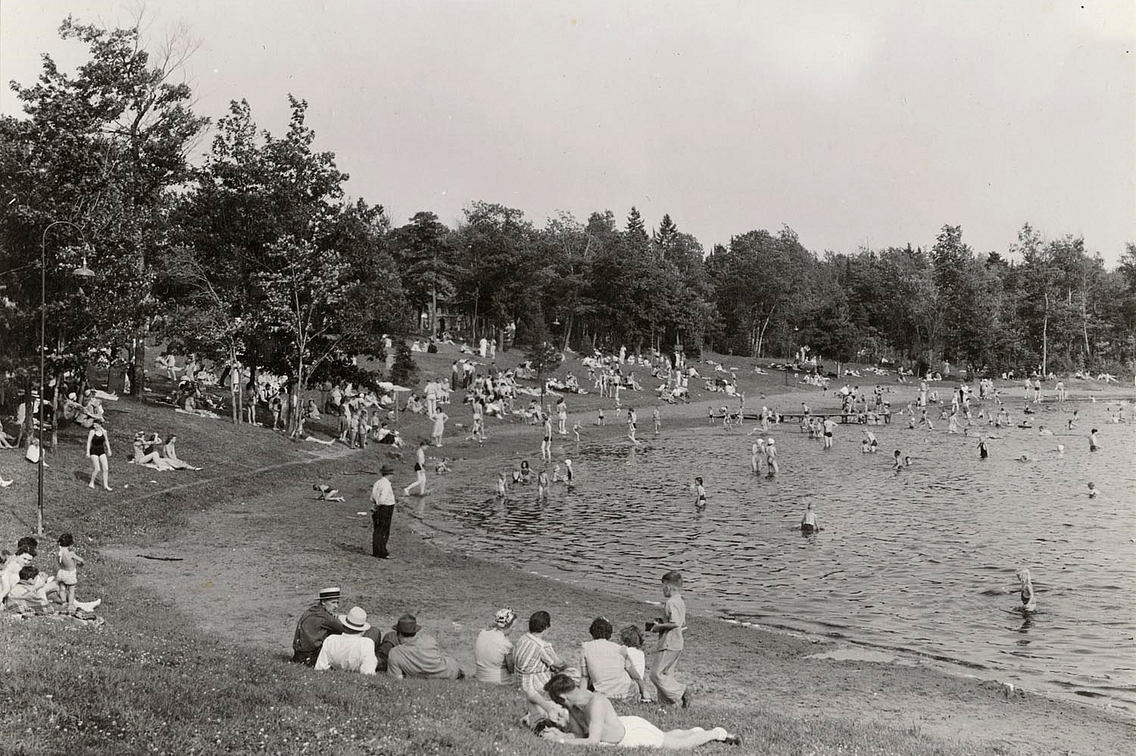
point(382, 510)
point(350, 650)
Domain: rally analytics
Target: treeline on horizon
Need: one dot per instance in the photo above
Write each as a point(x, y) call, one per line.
point(254, 252)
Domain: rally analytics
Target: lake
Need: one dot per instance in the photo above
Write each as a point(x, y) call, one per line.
point(919, 562)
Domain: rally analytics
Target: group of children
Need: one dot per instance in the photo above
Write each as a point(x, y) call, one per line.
point(26, 590)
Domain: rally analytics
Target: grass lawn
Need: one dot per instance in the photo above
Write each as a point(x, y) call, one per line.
point(192, 658)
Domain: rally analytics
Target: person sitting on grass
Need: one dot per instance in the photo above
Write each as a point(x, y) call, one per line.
point(26, 597)
point(350, 650)
point(606, 667)
point(535, 661)
point(315, 625)
point(169, 454)
point(5, 443)
point(148, 458)
point(632, 640)
point(493, 651)
point(417, 655)
point(595, 722)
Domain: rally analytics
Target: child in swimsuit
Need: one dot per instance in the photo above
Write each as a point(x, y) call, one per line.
point(68, 575)
point(700, 493)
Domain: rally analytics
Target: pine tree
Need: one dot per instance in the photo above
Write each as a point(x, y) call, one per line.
point(403, 371)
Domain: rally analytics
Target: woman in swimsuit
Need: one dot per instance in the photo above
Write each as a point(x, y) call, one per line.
point(1029, 601)
point(700, 493)
point(419, 471)
point(98, 449)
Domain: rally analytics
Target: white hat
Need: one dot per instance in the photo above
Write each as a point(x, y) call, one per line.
point(770, 441)
point(355, 620)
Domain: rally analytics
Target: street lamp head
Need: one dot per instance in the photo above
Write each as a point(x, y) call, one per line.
point(84, 271)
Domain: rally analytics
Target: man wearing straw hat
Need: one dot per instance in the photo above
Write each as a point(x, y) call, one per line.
point(382, 510)
point(316, 624)
point(352, 650)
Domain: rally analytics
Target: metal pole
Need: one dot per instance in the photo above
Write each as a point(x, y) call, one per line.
point(42, 385)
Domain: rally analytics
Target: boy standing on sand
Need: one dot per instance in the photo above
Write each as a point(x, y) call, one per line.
point(670, 630)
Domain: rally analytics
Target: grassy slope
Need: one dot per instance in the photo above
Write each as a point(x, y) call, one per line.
point(180, 672)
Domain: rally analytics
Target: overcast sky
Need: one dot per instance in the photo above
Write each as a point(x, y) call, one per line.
point(852, 122)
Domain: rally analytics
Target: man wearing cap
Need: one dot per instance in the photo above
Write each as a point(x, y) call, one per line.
point(382, 510)
point(315, 625)
point(352, 650)
point(493, 651)
point(417, 654)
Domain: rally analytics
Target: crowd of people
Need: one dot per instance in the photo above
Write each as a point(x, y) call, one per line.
point(564, 699)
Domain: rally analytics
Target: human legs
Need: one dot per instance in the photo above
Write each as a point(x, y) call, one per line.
point(419, 483)
point(686, 739)
point(663, 676)
point(94, 471)
point(381, 521)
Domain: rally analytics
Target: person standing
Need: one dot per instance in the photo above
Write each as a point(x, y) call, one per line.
point(439, 419)
point(546, 440)
point(382, 510)
point(454, 376)
point(98, 450)
point(419, 471)
point(670, 629)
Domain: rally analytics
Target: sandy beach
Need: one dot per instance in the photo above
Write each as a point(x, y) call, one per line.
point(250, 561)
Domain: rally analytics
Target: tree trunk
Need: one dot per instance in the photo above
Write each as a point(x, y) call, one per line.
point(433, 312)
point(234, 395)
point(1045, 338)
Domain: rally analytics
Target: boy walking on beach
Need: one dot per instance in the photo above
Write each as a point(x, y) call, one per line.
point(670, 629)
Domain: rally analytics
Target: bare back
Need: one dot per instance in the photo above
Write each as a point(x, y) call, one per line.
point(602, 721)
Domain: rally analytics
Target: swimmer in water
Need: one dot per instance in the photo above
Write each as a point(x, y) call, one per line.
point(873, 445)
point(1093, 445)
point(502, 486)
point(1029, 601)
point(809, 521)
point(1043, 431)
point(983, 452)
point(907, 461)
point(1023, 458)
point(757, 456)
point(897, 460)
point(699, 493)
point(1092, 490)
point(542, 485)
point(1061, 448)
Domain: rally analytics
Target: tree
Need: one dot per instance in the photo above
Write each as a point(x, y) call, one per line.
point(543, 354)
point(105, 149)
point(424, 251)
point(403, 370)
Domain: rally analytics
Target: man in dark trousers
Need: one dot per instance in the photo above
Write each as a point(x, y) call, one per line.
point(316, 623)
point(382, 509)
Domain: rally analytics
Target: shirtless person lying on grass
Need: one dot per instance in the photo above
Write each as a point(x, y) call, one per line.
point(596, 722)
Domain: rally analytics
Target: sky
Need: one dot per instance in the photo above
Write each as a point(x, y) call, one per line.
point(857, 124)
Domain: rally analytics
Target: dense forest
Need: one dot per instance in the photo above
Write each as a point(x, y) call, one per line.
point(229, 241)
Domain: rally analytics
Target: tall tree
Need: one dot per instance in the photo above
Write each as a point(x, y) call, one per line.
point(104, 149)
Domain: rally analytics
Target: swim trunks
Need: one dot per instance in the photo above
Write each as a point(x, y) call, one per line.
point(67, 577)
point(639, 733)
point(806, 528)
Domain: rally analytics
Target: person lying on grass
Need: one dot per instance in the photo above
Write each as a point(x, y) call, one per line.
point(592, 720)
point(327, 493)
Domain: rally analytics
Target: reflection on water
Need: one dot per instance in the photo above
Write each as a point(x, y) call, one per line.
point(921, 560)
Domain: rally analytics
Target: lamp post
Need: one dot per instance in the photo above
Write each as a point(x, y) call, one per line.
point(82, 272)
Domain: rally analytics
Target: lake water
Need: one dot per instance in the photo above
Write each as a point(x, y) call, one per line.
point(920, 562)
